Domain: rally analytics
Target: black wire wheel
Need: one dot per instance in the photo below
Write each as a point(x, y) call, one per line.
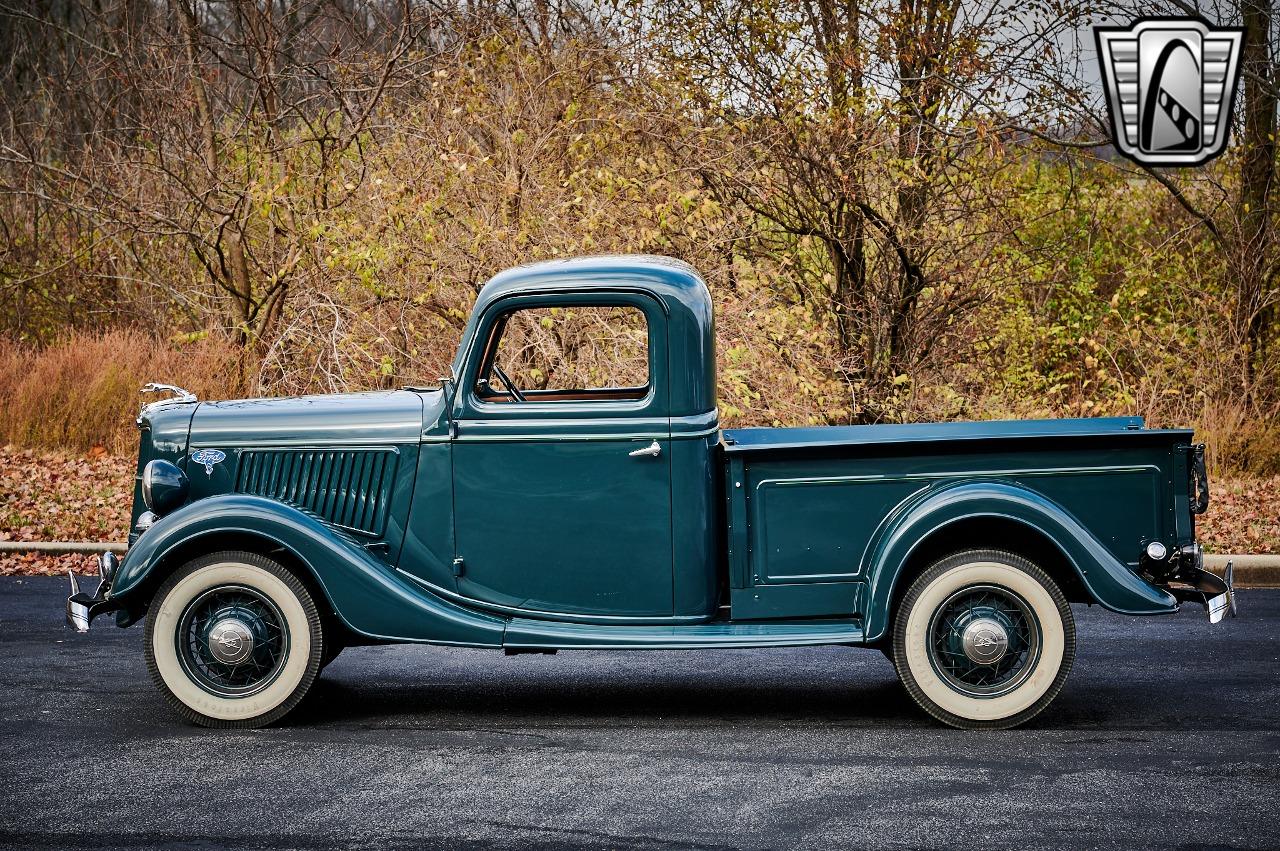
point(983, 639)
point(233, 639)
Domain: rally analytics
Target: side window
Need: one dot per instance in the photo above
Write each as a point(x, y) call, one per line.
point(570, 353)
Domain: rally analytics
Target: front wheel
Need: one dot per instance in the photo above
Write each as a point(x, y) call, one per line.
point(984, 639)
point(233, 639)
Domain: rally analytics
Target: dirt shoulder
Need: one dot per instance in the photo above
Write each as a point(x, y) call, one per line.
point(47, 496)
point(1243, 516)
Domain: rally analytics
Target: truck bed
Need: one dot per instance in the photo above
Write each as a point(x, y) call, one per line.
point(816, 516)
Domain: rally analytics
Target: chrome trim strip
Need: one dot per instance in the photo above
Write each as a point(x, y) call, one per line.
point(560, 437)
point(306, 443)
point(906, 477)
point(693, 435)
point(557, 438)
point(708, 419)
point(836, 443)
point(514, 424)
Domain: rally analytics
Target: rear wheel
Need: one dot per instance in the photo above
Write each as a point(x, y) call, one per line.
point(984, 639)
point(233, 639)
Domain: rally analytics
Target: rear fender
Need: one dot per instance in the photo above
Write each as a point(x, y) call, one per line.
point(1107, 580)
point(368, 596)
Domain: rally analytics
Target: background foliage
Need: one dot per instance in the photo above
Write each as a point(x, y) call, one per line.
point(905, 210)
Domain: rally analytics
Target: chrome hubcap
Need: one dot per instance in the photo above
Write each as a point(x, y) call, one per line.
point(231, 641)
point(985, 641)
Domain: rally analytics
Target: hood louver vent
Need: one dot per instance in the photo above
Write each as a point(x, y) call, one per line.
point(349, 488)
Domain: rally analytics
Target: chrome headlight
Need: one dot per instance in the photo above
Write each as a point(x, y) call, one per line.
point(108, 565)
point(164, 486)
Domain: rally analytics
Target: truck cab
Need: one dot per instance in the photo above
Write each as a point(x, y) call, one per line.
point(576, 495)
point(568, 485)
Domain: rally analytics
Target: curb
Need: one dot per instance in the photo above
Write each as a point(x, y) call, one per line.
point(1249, 571)
point(57, 547)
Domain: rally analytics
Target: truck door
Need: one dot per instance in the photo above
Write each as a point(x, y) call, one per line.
point(561, 461)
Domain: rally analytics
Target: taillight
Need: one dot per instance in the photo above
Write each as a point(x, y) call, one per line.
point(1199, 484)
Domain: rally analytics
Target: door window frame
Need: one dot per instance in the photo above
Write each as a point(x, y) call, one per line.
point(653, 404)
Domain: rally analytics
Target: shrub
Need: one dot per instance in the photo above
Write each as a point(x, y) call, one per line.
point(83, 392)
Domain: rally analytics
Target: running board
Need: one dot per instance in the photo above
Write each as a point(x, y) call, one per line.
point(524, 632)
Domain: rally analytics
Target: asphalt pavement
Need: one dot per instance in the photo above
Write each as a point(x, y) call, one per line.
point(1166, 735)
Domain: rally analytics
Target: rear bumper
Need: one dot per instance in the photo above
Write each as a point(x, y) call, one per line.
point(1189, 582)
point(82, 608)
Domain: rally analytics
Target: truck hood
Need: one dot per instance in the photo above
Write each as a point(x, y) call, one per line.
point(386, 417)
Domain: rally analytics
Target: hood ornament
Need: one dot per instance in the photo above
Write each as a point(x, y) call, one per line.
point(179, 397)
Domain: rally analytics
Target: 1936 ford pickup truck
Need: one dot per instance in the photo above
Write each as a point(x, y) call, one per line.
point(568, 486)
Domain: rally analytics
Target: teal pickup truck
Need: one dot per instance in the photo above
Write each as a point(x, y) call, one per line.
point(568, 486)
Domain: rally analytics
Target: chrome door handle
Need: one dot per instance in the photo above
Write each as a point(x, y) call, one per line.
point(653, 450)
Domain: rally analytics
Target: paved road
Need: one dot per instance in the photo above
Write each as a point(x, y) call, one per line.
point(1167, 734)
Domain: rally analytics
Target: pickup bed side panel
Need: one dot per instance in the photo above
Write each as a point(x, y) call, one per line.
point(365, 592)
point(824, 531)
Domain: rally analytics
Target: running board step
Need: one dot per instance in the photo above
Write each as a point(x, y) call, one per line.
point(525, 632)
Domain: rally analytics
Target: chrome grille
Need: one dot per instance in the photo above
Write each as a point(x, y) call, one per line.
point(350, 488)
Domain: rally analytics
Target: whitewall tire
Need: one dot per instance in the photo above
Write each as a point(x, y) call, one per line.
point(233, 639)
point(983, 639)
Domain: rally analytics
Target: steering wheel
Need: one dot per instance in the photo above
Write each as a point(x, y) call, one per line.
point(510, 385)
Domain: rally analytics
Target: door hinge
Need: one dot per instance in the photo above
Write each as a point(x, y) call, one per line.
point(458, 567)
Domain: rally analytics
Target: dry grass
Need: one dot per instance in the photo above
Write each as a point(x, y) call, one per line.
point(1241, 441)
point(83, 392)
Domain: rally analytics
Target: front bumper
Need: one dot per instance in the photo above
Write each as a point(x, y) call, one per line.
point(83, 608)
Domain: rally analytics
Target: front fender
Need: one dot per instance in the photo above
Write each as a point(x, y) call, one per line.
point(1109, 581)
point(368, 596)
